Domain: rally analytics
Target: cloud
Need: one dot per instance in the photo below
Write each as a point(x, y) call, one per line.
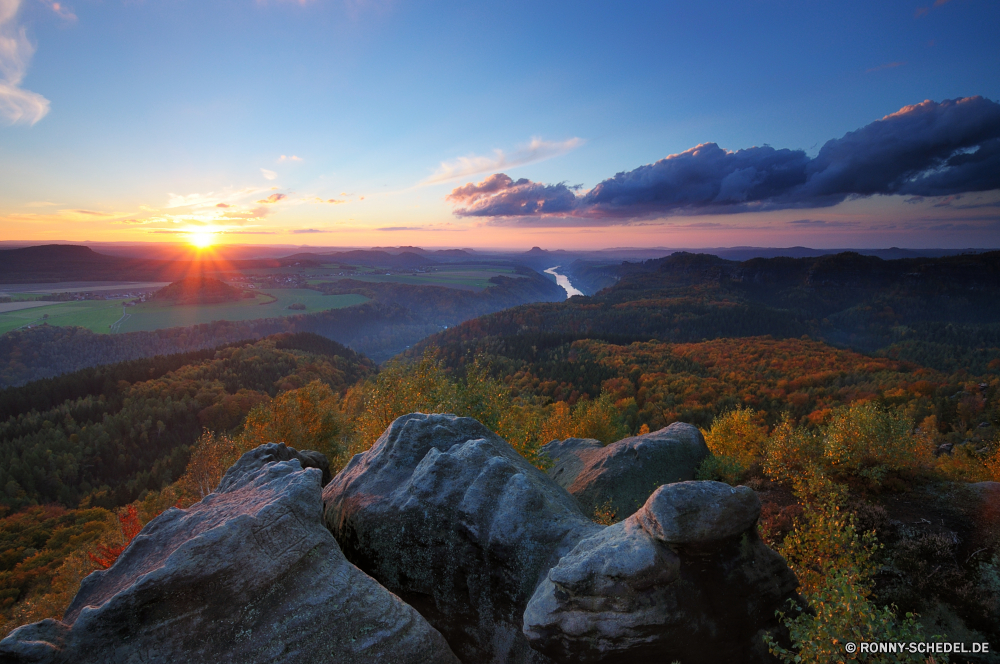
point(273, 198)
point(400, 228)
point(17, 106)
point(291, 158)
point(212, 199)
point(309, 230)
point(332, 201)
point(93, 213)
point(60, 10)
point(820, 223)
point(223, 205)
point(500, 196)
point(270, 175)
point(928, 149)
point(536, 150)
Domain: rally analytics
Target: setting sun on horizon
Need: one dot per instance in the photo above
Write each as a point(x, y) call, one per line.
point(202, 239)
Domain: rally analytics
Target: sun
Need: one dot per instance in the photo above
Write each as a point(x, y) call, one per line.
point(201, 239)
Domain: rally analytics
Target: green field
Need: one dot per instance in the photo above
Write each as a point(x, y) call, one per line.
point(95, 315)
point(466, 277)
point(100, 315)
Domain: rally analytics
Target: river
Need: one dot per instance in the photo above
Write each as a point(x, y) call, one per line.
point(563, 281)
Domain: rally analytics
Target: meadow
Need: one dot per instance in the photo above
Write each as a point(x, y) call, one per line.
point(95, 315)
point(106, 316)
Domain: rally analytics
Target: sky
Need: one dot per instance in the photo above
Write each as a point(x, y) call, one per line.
point(580, 125)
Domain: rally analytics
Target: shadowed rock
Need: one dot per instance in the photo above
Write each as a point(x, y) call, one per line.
point(249, 574)
point(685, 578)
point(450, 517)
point(624, 474)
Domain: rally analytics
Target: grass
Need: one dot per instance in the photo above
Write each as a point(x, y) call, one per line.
point(95, 315)
point(100, 315)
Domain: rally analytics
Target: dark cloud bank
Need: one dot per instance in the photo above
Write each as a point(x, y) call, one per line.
point(930, 149)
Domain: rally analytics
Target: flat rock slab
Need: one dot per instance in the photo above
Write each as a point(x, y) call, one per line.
point(624, 474)
point(249, 575)
point(450, 517)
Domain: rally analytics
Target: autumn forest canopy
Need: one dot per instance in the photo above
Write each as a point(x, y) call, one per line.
point(860, 398)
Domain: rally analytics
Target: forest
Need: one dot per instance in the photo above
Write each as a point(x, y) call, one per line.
point(870, 464)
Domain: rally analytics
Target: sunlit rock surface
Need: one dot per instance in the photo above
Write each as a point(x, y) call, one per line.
point(624, 474)
point(249, 574)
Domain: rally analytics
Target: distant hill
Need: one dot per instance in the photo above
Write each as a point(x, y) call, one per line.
point(407, 259)
point(938, 312)
point(198, 290)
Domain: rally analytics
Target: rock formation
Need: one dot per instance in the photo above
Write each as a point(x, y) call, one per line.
point(503, 563)
point(685, 578)
point(249, 574)
point(448, 516)
point(624, 474)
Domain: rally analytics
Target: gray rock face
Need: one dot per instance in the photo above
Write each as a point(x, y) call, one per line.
point(448, 516)
point(686, 578)
point(625, 473)
point(249, 574)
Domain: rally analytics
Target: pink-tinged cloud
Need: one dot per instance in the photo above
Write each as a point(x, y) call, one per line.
point(536, 150)
point(273, 198)
point(223, 205)
point(927, 149)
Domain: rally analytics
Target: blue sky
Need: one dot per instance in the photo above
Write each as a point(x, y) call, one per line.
point(159, 112)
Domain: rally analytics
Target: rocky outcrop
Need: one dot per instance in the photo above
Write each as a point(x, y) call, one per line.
point(685, 578)
point(249, 574)
point(624, 474)
point(451, 518)
point(503, 563)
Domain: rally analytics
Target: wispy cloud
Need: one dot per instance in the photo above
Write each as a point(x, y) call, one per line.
point(298, 231)
point(92, 213)
point(213, 198)
point(284, 158)
point(273, 198)
point(269, 175)
point(821, 223)
point(17, 105)
point(536, 150)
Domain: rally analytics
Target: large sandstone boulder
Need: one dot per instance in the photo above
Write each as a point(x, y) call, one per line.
point(447, 515)
point(624, 474)
point(249, 574)
point(685, 578)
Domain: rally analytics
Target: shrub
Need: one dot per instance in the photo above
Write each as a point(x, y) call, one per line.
point(722, 469)
point(736, 440)
point(739, 435)
point(834, 564)
point(867, 441)
point(790, 451)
